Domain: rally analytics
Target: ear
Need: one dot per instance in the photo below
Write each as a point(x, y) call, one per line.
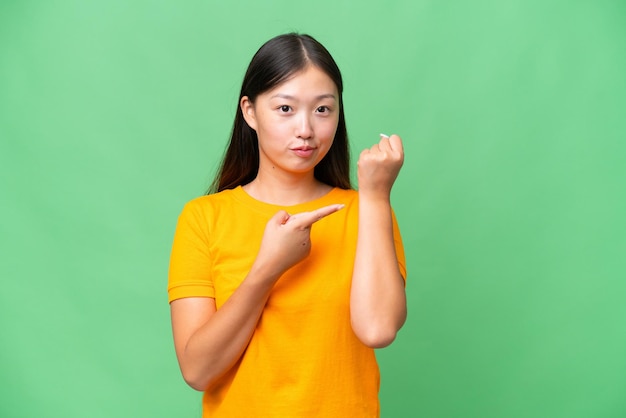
point(247, 109)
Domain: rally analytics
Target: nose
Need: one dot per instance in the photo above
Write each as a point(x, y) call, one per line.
point(304, 129)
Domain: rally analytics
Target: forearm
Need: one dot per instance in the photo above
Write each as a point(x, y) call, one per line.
point(217, 344)
point(208, 340)
point(377, 299)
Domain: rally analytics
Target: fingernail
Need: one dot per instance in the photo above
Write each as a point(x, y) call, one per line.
point(384, 136)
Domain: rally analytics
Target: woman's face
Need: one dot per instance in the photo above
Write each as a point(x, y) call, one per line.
point(295, 122)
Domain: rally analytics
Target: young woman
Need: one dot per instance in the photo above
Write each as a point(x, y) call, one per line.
point(283, 279)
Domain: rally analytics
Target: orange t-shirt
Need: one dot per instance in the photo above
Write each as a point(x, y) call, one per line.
point(303, 359)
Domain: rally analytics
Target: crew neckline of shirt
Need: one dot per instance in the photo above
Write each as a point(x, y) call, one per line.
point(242, 195)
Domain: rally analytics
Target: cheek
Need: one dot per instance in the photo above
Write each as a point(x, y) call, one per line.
point(271, 129)
point(327, 131)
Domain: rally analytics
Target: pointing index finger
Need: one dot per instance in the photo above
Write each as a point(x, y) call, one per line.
point(306, 219)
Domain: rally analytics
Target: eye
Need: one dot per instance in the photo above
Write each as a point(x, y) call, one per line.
point(323, 109)
point(284, 108)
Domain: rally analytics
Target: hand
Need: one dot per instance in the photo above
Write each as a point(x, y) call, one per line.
point(378, 166)
point(287, 239)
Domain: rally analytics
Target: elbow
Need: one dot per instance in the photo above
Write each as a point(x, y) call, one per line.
point(379, 341)
point(197, 384)
point(200, 387)
point(378, 333)
point(196, 380)
point(376, 337)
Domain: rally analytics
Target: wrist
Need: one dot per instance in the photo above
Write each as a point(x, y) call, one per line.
point(264, 274)
point(374, 196)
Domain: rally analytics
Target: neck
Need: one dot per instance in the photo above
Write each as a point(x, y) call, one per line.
point(286, 191)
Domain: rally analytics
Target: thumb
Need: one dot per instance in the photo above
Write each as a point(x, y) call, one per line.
point(396, 143)
point(280, 218)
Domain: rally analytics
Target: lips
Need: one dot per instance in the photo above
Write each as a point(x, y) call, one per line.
point(304, 151)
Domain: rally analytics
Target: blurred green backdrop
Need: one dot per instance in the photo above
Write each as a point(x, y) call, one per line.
point(512, 199)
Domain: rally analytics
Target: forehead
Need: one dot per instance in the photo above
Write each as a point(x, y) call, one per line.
point(309, 81)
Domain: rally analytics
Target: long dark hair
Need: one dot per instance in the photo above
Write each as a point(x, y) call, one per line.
point(276, 61)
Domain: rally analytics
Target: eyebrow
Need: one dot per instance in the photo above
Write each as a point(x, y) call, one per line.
point(289, 97)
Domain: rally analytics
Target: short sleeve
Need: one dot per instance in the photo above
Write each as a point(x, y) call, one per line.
point(190, 260)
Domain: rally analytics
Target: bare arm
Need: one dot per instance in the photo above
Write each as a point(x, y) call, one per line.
point(209, 341)
point(377, 299)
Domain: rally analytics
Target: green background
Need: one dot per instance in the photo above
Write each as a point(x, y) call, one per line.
point(511, 201)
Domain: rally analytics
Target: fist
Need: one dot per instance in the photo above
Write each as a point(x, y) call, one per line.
point(378, 166)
